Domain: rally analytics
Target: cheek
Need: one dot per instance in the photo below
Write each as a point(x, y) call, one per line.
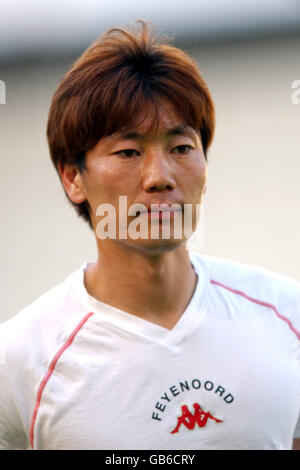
point(100, 175)
point(195, 179)
point(106, 180)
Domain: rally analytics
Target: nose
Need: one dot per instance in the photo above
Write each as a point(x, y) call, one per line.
point(157, 172)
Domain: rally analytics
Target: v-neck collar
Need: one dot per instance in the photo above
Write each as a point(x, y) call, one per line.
point(188, 321)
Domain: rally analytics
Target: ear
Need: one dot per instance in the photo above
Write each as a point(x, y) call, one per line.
point(72, 182)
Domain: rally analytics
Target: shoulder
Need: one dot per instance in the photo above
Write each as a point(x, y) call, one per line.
point(255, 284)
point(252, 279)
point(42, 325)
point(28, 343)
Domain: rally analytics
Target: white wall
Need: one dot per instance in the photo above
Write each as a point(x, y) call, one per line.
point(253, 197)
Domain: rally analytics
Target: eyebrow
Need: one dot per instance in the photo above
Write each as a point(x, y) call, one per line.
point(182, 129)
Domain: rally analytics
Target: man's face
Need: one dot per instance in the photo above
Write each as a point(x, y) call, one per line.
point(166, 167)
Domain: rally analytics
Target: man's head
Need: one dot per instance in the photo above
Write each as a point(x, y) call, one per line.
point(127, 79)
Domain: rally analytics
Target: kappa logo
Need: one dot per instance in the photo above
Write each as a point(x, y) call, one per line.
point(190, 420)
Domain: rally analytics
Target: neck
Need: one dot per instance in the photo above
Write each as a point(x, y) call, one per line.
point(156, 287)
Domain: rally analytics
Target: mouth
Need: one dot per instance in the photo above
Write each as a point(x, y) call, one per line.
point(159, 208)
point(159, 214)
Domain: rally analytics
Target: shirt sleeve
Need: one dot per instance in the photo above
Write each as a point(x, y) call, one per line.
point(12, 432)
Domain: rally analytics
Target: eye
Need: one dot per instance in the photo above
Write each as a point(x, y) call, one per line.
point(126, 152)
point(185, 149)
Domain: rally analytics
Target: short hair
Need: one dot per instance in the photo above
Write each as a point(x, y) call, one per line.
point(117, 80)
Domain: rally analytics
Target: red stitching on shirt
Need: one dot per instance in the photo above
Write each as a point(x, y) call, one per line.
point(49, 372)
point(259, 302)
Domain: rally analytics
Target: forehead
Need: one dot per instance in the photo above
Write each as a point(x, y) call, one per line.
point(155, 118)
point(158, 121)
point(163, 131)
point(162, 122)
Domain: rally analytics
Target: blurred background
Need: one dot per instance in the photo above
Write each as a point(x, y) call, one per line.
point(249, 54)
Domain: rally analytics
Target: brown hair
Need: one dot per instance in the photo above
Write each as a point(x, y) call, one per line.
point(120, 76)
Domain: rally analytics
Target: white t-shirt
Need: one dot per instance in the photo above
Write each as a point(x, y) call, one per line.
point(80, 374)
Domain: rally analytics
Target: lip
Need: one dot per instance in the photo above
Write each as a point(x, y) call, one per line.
point(168, 207)
point(164, 213)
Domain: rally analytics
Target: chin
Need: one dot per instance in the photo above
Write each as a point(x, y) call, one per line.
point(153, 247)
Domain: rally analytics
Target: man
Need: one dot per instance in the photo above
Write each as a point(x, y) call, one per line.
point(151, 346)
